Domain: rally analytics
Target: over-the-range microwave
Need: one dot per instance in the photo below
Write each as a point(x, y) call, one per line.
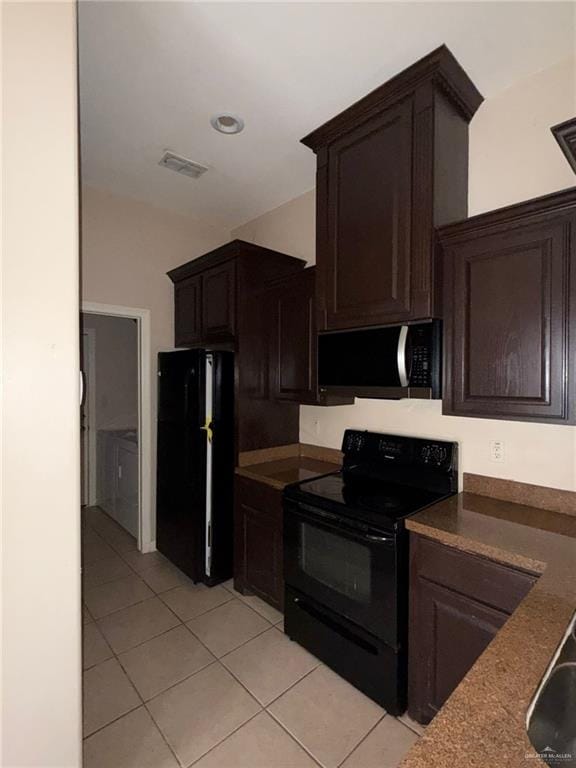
point(391, 362)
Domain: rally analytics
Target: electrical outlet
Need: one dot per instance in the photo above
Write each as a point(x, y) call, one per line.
point(497, 451)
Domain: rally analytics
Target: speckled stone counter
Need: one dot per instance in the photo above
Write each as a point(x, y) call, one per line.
point(483, 723)
point(287, 464)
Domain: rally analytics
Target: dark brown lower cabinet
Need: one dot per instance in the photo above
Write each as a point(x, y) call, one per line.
point(258, 541)
point(458, 602)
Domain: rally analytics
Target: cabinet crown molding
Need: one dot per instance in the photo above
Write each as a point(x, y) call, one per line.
point(440, 68)
point(565, 135)
point(234, 249)
point(544, 206)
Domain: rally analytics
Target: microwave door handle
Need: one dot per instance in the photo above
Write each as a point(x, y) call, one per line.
point(401, 356)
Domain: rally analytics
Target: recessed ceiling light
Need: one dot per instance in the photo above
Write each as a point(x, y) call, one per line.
point(227, 123)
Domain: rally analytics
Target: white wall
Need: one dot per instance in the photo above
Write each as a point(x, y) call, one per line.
point(291, 227)
point(116, 374)
point(127, 248)
point(513, 156)
point(40, 407)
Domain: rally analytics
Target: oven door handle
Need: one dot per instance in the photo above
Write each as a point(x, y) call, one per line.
point(335, 524)
point(382, 539)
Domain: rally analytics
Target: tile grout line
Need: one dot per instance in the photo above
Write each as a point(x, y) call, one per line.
point(293, 736)
point(264, 706)
point(218, 660)
point(243, 599)
point(111, 722)
point(196, 760)
point(196, 616)
point(124, 607)
point(282, 726)
point(215, 659)
point(116, 656)
point(182, 622)
point(125, 713)
point(212, 663)
point(143, 702)
point(232, 649)
point(363, 739)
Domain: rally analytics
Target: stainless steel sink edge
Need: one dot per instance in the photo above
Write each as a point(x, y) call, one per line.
point(570, 631)
point(550, 732)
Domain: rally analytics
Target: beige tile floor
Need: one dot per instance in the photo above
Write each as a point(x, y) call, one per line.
point(176, 674)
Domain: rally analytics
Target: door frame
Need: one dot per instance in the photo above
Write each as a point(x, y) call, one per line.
point(146, 537)
point(90, 395)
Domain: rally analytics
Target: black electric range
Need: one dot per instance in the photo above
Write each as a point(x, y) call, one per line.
point(346, 556)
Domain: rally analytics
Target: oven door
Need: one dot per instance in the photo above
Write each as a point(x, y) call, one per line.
point(354, 571)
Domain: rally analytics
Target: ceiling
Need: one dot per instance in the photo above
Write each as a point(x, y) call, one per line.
point(153, 73)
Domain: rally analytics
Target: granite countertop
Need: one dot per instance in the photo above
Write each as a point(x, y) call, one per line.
point(483, 723)
point(278, 467)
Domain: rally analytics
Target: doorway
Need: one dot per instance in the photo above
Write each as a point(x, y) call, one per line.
point(116, 417)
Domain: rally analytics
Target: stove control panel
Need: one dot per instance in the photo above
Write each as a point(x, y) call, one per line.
point(374, 447)
point(353, 441)
point(434, 454)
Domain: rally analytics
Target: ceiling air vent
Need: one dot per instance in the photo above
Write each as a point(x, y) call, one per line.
point(182, 165)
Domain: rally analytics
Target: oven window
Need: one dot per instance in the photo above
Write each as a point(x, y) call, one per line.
point(335, 561)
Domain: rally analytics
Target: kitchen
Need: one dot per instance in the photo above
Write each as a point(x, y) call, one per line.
point(456, 439)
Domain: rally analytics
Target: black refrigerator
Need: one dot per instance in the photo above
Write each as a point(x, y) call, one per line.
point(195, 462)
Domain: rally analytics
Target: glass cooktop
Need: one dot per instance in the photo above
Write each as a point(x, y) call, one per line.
point(379, 502)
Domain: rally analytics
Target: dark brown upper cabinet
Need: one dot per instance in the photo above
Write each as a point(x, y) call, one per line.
point(209, 291)
point(510, 312)
point(219, 302)
point(293, 338)
point(290, 309)
point(389, 169)
point(188, 311)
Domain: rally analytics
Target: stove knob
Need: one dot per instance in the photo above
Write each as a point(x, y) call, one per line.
point(439, 453)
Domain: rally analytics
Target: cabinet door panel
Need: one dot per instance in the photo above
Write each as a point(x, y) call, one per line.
point(258, 541)
point(253, 345)
point(187, 311)
point(507, 323)
point(457, 630)
point(293, 346)
point(261, 552)
point(218, 305)
point(458, 602)
point(369, 222)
